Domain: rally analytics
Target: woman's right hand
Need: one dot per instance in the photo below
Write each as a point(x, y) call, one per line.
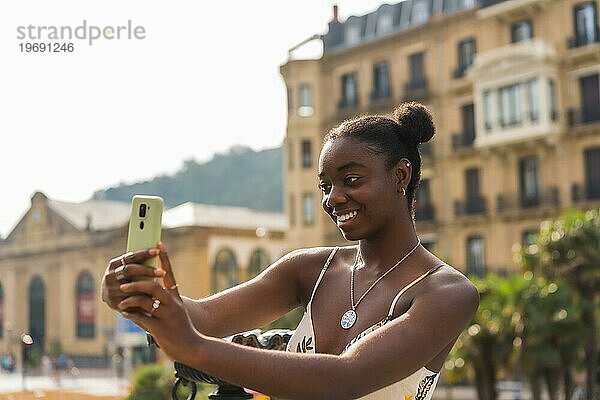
point(122, 269)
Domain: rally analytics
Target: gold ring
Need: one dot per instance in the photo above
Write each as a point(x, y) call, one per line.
point(120, 273)
point(155, 306)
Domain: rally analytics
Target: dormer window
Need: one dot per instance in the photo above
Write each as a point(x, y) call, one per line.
point(420, 12)
point(384, 23)
point(353, 35)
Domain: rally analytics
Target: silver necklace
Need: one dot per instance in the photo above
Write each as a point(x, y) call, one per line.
point(350, 316)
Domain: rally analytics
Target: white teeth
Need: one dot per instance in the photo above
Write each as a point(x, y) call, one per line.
point(345, 217)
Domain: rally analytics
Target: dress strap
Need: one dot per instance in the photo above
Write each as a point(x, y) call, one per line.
point(413, 283)
point(335, 249)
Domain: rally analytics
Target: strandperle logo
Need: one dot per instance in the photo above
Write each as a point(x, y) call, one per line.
point(84, 31)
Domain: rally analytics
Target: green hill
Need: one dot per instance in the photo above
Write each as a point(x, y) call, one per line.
point(239, 177)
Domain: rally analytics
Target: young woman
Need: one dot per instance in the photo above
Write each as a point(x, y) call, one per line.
point(380, 317)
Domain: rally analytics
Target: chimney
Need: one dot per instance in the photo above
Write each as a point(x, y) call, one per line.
point(335, 13)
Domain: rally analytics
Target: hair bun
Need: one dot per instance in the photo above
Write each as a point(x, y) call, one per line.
point(415, 122)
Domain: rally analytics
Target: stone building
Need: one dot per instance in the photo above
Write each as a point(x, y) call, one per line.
point(514, 90)
point(52, 262)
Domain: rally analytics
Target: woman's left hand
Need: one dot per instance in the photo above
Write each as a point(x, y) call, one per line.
point(159, 310)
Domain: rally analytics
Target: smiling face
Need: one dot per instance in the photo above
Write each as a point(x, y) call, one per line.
point(360, 194)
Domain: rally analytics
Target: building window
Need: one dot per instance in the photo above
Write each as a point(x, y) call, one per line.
point(553, 102)
point(1, 311)
point(292, 210)
point(529, 181)
point(533, 99)
point(488, 109)
point(521, 31)
point(474, 203)
point(511, 105)
point(384, 23)
point(424, 208)
point(353, 34)
point(592, 173)
point(529, 237)
point(416, 67)
point(305, 101)
point(466, 56)
point(468, 124)
point(349, 91)
point(308, 208)
point(37, 312)
point(590, 98)
point(306, 154)
point(381, 81)
point(225, 271)
point(586, 28)
point(420, 12)
point(86, 306)
point(475, 256)
point(258, 262)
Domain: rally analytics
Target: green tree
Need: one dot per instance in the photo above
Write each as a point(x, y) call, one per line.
point(569, 248)
point(487, 346)
point(549, 332)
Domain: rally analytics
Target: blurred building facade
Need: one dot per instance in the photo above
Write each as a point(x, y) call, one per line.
point(52, 263)
point(514, 90)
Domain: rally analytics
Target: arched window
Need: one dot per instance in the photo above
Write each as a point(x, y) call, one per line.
point(258, 262)
point(37, 312)
point(86, 306)
point(225, 271)
point(1, 311)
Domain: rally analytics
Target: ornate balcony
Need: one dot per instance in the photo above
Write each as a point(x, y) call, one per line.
point(510, 202)
point(416, 90)
point(425, 213)
point(473, 206)
point(581, 193)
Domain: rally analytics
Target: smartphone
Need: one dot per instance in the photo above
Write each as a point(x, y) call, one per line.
point(145, 224)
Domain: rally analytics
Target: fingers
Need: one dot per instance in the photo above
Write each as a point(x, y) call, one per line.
point(150, 289)
point(140, 302)
point(137, 257)
point(165, 264)
point(128, 271)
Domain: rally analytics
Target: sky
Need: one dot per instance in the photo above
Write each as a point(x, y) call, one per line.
point(148, 84)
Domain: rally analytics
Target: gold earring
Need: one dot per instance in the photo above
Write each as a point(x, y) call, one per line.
point(403, 192)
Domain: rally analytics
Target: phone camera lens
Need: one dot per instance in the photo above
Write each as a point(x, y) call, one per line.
point(142, 210)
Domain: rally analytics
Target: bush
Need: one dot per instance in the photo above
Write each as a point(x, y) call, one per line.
point(155, 381)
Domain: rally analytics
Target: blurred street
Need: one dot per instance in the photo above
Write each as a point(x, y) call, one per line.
point(97, 382)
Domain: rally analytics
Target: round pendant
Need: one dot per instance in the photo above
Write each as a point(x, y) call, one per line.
point(348, 319)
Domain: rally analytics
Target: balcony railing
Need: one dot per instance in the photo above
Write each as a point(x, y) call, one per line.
point(426, 149)
point(514, 201)
point(459, 72)
point(580, 192)
point(416, 90)
point(473, 206)
point(345, 104)
point(582, 116)
point(425, 213)
point(381, 94)
point(583, 40)
point(463, 140)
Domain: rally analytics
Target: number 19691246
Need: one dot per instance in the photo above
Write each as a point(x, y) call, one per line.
point(46, 47)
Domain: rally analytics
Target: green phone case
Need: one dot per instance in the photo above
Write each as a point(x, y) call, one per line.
point(145, 224)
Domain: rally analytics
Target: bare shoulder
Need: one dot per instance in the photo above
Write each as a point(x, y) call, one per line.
point(454, 289)
point(304, 265)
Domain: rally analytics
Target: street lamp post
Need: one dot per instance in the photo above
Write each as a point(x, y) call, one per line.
point(26, 343)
